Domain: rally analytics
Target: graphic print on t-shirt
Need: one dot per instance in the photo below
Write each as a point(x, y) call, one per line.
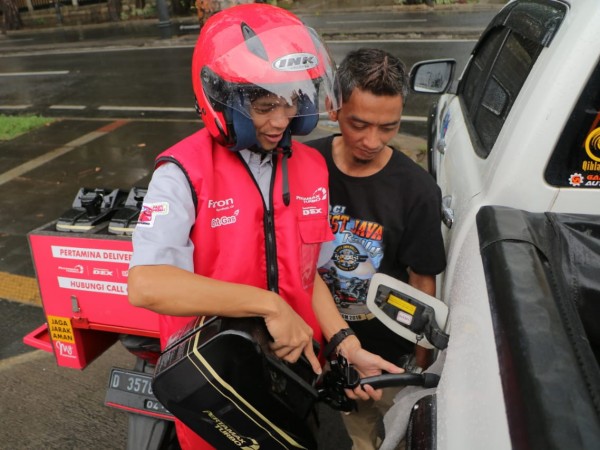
point(357, 254)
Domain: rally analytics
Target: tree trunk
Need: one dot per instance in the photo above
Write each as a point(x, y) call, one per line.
point(11, 19)
point(181, 7)
point(114, 10)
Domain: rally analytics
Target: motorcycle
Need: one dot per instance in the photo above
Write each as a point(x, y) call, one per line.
point(82, 261)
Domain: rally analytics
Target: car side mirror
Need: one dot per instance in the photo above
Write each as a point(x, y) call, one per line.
point(432, 77)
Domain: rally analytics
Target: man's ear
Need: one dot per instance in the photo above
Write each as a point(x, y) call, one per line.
point(330, 111)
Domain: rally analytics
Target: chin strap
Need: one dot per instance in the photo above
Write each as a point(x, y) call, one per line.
point(284, 148)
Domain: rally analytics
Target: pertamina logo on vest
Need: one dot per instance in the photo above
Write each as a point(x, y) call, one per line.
point(310, 208)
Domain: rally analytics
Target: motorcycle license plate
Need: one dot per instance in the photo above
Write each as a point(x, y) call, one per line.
point(132, 391)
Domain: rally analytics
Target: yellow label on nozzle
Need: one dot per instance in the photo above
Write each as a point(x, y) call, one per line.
point(401, 304)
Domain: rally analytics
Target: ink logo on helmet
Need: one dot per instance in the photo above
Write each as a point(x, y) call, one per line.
point(296, 62)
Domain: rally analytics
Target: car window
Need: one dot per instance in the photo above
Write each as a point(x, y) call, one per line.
point(493, 82)
point(500, 65)
point(510, 71)
point(474, 78)
point(575, 161)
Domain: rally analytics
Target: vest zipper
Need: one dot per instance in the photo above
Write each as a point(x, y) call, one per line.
point(270, 241)
point(268, 229)
point(271, 249)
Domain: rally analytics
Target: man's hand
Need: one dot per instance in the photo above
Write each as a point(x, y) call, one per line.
point(291, 335)
point(367, 364)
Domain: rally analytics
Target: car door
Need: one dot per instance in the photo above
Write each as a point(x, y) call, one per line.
point(470, 121)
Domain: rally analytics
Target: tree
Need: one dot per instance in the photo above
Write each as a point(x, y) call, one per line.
point(11, 19)
point(181, 7)
point(114, 9)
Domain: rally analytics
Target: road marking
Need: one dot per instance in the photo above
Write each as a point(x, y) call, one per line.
point(398, 41)
point(414, 119)
point(112, 126)
point(145, 108)
point(12, 41)
point(322, 116)
point(162, 46)
point(7, 107)
point(70, 107)
point(89, 50)
point(34, 74)
point(19, 288)
point(53, 154)
point(337, 22)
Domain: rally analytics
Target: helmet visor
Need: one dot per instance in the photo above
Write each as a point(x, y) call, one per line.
point(300, 82)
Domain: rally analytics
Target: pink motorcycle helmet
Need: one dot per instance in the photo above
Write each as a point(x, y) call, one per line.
point(252, 50)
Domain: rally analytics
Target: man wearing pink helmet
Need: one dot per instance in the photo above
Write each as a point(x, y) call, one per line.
point(239, 209)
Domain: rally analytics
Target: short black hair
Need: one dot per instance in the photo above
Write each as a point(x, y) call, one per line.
point(373, 70)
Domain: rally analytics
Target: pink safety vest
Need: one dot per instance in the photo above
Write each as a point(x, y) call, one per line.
point(236, 240)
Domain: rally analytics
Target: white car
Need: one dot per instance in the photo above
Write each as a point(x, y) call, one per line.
point(515, 146)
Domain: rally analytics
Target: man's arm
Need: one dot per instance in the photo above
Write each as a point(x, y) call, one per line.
point(330, 320)
point(173, 291)
point(424, 283)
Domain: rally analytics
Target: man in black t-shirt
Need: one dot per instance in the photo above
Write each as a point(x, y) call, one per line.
point(385, 215)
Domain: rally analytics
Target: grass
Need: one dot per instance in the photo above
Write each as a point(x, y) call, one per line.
point(13, 126)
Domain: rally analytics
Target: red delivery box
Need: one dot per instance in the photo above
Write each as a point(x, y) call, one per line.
point(83, 285)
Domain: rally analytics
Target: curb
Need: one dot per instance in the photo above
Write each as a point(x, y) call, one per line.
point(467, 7)
point(183, 32)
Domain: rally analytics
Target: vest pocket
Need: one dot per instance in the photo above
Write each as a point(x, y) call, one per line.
point(313, 232)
